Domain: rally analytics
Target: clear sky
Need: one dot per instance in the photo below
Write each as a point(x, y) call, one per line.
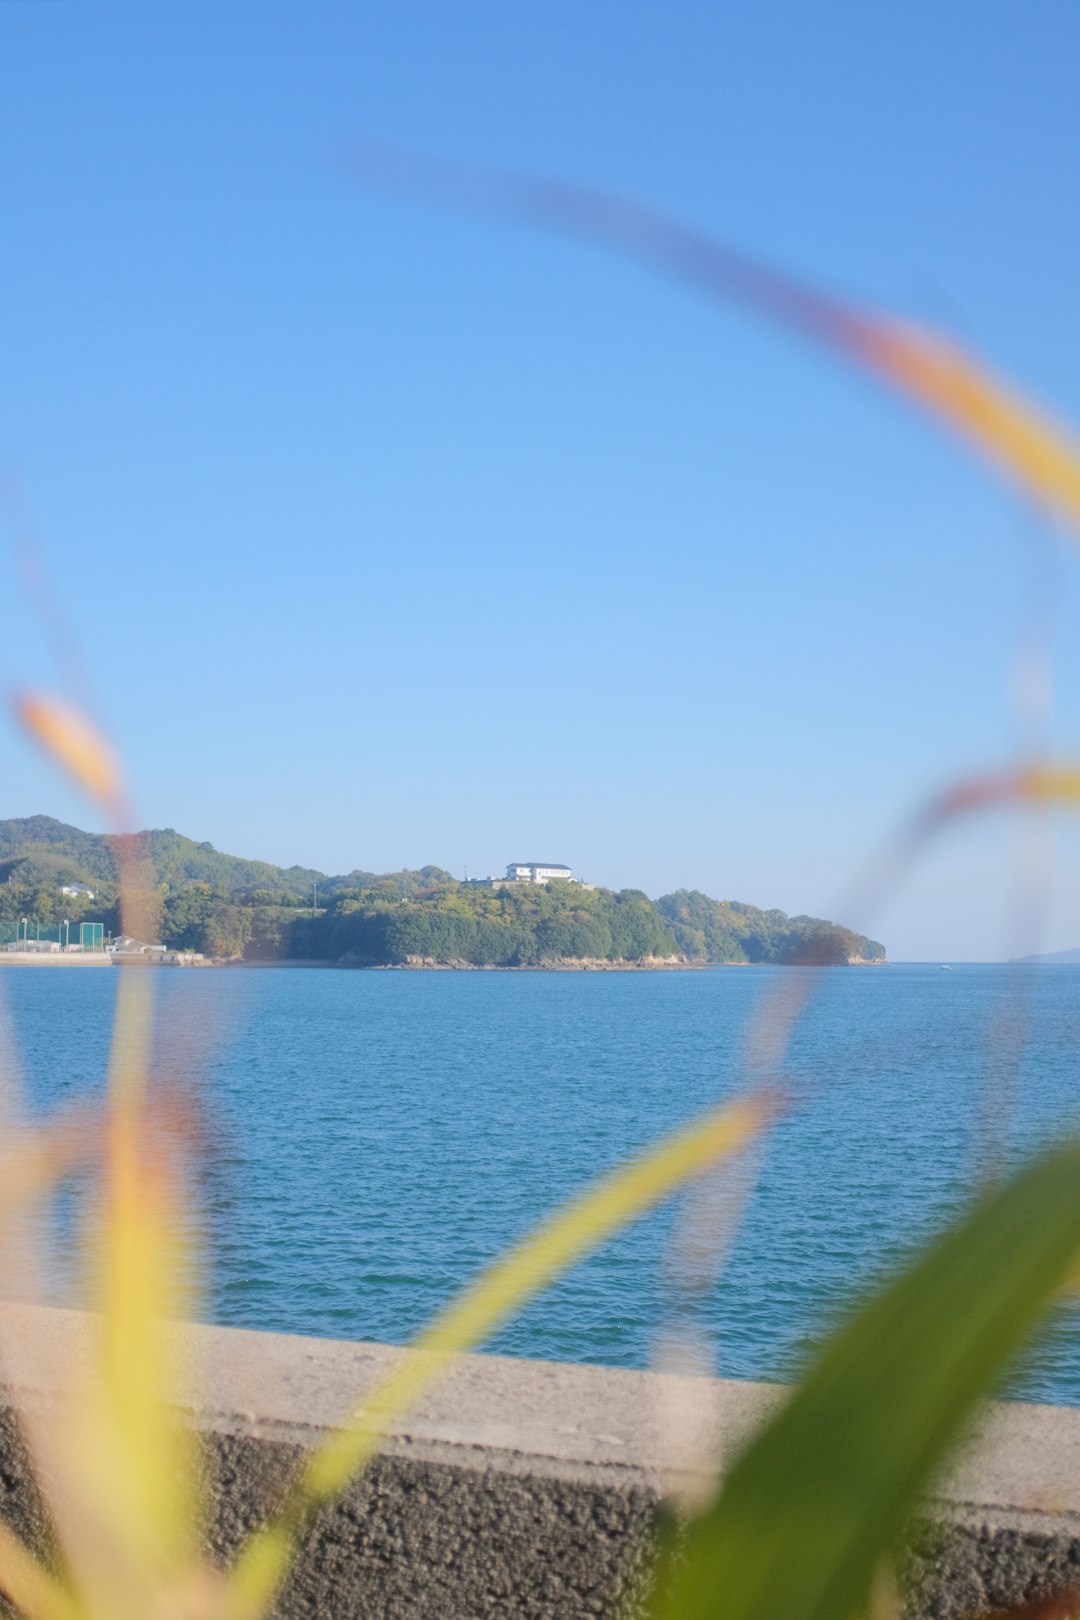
point(395, 536)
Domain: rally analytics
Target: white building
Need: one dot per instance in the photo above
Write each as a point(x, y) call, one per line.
point(529, 872)
point(538, 872)
point(78, 888)
point(124, 945)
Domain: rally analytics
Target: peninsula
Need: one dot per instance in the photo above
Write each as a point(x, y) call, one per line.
point(54, 877)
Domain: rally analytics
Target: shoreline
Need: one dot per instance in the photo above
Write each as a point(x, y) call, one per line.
point(565, 965)
point(425, 965)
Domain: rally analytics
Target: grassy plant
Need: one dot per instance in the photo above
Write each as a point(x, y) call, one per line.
point(818, 1504)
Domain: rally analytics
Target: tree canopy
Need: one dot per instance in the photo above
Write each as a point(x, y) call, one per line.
point(228, 907)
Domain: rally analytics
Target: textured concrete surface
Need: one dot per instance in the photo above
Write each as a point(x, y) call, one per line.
point(524, 1488)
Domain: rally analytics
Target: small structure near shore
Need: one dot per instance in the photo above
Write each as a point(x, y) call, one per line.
point(125, 945)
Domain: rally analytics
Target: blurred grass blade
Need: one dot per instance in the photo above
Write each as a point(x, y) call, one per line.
point(1047, 783)
point(28, 1585)
point(146, 1514)
point(826, 1491)
point(117, 1468)
point(142, 1264)
point(561, 1241)
point(1035, 450)
point(34, 1159)
point(72, 740)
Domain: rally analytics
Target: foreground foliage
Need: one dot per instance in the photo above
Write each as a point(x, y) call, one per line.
point(820, 1500)
point(823, 1497)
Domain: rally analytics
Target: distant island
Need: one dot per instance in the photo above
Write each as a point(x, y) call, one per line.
point(231, 909)
point(1049, 957)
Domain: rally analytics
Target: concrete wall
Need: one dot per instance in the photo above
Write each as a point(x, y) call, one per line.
point(524, 1488)
point(54, 959)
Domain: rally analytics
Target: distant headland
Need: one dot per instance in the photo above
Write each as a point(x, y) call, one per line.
point(54, 878)
point(1049, 958)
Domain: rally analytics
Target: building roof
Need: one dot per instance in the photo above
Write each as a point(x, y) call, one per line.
point(550, 866)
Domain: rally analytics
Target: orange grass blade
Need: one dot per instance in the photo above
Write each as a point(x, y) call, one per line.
point(566, 1237)
point(1032, 448)
point(1047, 783)
point(1037, 451)
point(123, 1496)
point(76, 744)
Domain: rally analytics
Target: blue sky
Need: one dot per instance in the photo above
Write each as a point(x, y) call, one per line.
point(393, 535)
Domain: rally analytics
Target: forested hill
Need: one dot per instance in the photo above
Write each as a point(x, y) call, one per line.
point(228, 907)
point(39, 849)
point(708, 930)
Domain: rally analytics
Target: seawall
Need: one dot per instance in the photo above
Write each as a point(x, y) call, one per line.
point(57, 959)
point(524, 1488)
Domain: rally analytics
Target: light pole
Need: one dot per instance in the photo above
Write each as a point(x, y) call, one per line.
point(26, 930)
point(67, 925)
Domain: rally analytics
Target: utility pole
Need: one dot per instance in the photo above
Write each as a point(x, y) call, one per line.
point(314, 899)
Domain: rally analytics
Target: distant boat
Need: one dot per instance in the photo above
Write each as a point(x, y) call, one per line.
point(946, 967)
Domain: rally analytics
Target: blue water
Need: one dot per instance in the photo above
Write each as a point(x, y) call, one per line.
point(373, 1139)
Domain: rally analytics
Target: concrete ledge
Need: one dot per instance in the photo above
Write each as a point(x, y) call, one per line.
point(519, 1487)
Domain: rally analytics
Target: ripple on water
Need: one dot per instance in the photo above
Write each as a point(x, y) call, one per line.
point(377, 1138)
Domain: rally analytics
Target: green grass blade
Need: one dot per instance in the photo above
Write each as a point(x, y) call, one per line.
point(572, 1232)
point(826, 1491)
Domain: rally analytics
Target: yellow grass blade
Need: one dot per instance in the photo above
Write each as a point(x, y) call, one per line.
point(28, 1585)
point(1036, 450)
point(566, 1237)
point(1050, 783)
point(143, 1262)
point(120, 1469)
point(123, 1493)
point(140, 1264)
point(76, 744)
point(120, 1474)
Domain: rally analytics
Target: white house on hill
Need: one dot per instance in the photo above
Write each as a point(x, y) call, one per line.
point(538, 872)
point(529, 872)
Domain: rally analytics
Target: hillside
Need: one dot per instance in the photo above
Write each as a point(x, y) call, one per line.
point(227, 906)
point(40, 845)
point(709, 930)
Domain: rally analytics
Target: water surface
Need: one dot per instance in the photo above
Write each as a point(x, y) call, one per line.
point(375, 1138)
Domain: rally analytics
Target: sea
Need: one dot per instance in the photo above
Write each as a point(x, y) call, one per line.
point(368, 1141)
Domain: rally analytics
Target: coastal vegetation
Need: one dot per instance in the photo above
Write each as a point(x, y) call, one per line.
point(225, 906)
